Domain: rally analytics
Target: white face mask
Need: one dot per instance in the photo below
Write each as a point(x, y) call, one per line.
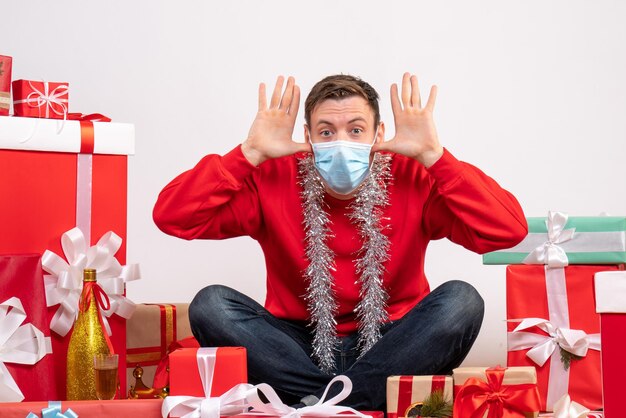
point(343, 164)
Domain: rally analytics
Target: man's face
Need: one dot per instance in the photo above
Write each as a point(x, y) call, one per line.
point(347, 119)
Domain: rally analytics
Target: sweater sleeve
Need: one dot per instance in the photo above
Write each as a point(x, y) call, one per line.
point(471, 209)
point(216, 199)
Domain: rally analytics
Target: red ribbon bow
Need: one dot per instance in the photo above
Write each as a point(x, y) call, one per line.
point(508, 401)
point(93, 291)
point(92, 117)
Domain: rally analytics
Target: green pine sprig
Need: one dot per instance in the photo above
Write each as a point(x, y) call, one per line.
point(436, 405)
point(567, 358)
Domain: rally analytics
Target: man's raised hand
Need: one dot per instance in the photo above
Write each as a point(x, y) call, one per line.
point(271, 132)
point(416, 136)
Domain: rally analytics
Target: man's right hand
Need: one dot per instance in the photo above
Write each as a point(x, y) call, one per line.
point(271, 132)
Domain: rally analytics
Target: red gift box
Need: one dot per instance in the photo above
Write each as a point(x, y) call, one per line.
point(20, 276)
point(611, 305)
point(47, 197)
point(404, 391)
point(229, 369)
point(40, 99)
point(5, 84)
point(481, 392)
point(565, 298)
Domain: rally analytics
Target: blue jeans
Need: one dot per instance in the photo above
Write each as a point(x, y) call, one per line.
point(432, 338)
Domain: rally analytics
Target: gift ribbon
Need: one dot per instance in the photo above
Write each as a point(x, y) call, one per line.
point(92, 292)
point(241, 397)
point(565, 408)
point(477, 396)
point(54, 411)
point(64, 283)
point(20, 344)
point(84, 169)
point(541, 347)
point(550, 253)
point(50, 100)
point(92, 117)
point(168, 326)
point(323, 408)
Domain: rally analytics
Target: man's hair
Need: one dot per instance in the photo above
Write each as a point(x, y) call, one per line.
point(337, 87)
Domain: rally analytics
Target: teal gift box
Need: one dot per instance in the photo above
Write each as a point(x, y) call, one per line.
point(559, 240)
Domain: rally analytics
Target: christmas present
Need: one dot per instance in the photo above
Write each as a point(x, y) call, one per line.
point(144, 408)
point(5, 84)
point(40, 99)
point(51, 192)
point(20, 276)
point(107, 141)
point(243, 398)
point(150, 332)
point(21, 344)
point(495, 392)
point(220, 368)
point(553, 326)
point(560, 240)
point(611, 305)
point(405, 394)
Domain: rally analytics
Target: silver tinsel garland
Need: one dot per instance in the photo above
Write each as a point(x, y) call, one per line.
point(367, 215)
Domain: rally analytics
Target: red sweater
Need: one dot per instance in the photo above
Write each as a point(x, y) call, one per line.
point(226, 196)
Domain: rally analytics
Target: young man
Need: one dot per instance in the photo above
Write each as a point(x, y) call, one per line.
point(344, 220)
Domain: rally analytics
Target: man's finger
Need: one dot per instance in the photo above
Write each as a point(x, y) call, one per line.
point(383, 146)
point(396, 107)
point(295, 102)
point(285, 102)
point(278, 88)
point(430, 105)
point(262, 97)
point(302, 147)
point(416, 99)
point(406, 90)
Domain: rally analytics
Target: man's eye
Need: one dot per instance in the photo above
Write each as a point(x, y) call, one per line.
point(357, 131)
point(325, 133)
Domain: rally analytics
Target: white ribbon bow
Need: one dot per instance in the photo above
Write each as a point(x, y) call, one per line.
point(323, 408)
point(64, 284)
point(541, 346)
point(565, 408)
point(242, 397)
point(550, 253)
point(232, 402)
point(20, 344)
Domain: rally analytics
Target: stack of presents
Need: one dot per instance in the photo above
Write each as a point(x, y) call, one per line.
point(64, 187)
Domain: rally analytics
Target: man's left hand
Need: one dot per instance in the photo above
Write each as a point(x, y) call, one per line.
point(416, 136)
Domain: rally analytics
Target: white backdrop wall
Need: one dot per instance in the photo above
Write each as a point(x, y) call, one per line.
point(532, 92)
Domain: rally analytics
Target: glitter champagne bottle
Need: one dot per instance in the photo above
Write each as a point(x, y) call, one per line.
point(87, 339)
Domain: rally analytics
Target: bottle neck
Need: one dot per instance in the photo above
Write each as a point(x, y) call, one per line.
point(89, 275)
